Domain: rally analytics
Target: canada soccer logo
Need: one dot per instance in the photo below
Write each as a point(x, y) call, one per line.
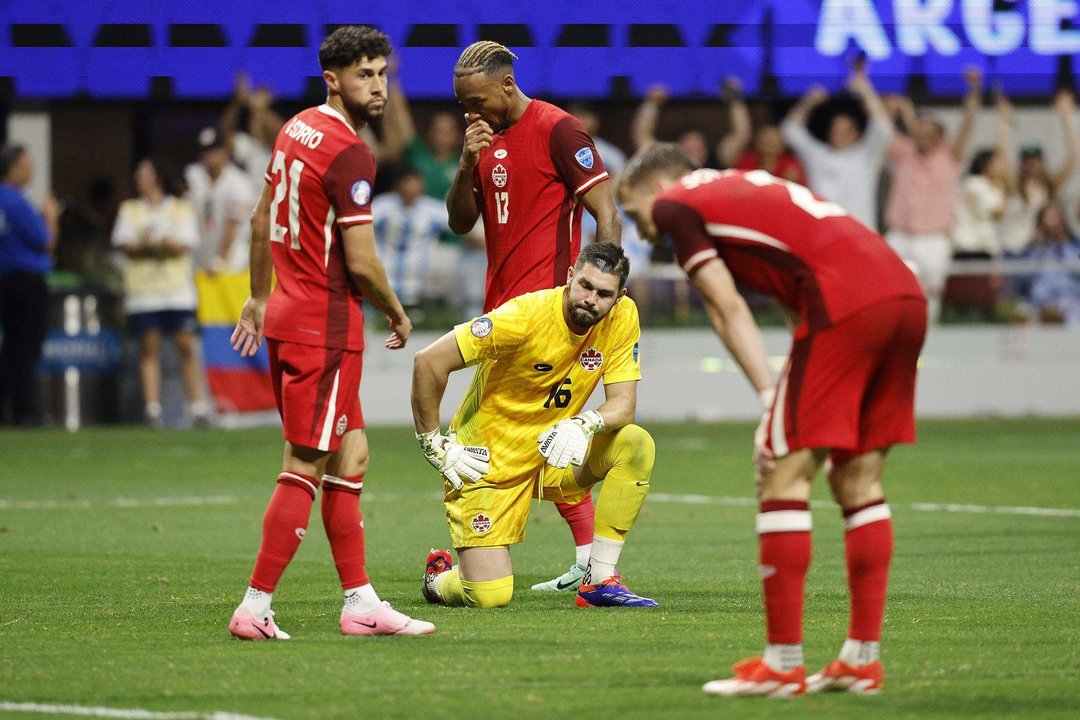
point(481, 523)
point(342, 423)
point(361, 192)
point(591, 359)
point(498, 175)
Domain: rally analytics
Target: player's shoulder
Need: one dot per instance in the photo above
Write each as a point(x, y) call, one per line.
point(625, 312)
point(321, 127)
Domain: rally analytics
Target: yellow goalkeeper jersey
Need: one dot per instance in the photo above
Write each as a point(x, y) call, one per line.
point(532, 372)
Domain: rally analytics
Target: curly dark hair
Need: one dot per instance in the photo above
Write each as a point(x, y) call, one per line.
point(350, 43)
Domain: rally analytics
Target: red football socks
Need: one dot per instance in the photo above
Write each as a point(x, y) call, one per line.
point(344, 524)
point(783, 528)
point(868, 541)
point(284, 525)
point(580, 519)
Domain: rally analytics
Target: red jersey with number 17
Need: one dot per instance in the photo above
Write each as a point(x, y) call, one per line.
point(321, 176)
point(528, 184)
point(778, 238)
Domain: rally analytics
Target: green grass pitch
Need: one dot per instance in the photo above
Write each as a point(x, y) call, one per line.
point(111, 598)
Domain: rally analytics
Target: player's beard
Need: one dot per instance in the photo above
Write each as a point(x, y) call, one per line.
point(368, 112)
point(583, 317)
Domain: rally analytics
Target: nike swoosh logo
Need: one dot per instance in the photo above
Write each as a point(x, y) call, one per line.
point(640, 484)
point(263, 632)
point(365, 624)
point(543, 367)
point(564, 586)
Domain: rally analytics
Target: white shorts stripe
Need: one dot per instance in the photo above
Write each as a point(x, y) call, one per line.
point(777, 438)
point(344, 483)
point(784, 521)
point(301, 478)
point(331, 411)
point(698, 258)
point(872, 514)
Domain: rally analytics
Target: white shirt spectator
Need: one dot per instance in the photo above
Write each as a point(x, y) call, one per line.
point(976, 230)
point(230, 197)
point(253, 157)
point(409, 247)
point(156, 284)
point(1017, 227)
point(848, 177)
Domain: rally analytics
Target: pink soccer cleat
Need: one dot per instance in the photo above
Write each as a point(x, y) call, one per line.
point(754, 677)
point(246, 626)
point(383, 620)
point(839, 676)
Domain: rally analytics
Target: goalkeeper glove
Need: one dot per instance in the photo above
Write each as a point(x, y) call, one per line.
point(567, 442)
point(455, 462)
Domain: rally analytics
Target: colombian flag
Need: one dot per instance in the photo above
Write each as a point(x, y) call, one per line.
point(237, 384)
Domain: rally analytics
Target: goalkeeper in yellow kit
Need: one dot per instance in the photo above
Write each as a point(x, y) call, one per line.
point(521, 432)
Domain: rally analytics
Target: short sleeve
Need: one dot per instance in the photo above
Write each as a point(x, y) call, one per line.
point(494, 334)
point(681, 223)
point(625, 365)
point(349, 182)
point(574, 156)
point(124, 231)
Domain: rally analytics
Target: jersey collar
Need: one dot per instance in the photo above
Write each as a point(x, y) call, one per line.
point(325, 109)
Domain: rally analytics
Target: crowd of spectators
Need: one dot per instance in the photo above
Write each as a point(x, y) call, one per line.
point(901, 171)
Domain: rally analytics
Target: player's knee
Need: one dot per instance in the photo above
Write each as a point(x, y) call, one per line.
point(488, 594)
point(634, 448)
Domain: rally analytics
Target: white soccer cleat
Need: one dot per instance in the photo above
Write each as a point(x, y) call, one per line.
point(754, 677)
point(569, 581)
point(246, 626)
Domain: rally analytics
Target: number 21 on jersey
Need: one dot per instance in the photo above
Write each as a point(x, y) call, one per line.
point(286, 185)
point(502, 207)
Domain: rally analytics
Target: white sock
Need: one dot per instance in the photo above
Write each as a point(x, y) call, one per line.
point(603, 557)
point(199, 409)
point(361, 599)
point(858, 653)
point(582, 554)
point(783, 658)
point(153, 410)
point(257, 601)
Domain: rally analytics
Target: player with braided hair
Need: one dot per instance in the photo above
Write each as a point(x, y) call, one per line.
point(527, 168)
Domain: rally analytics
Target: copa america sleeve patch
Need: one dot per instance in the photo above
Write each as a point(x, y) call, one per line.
point(584, 158)
point(361, 192)
point(481, 327)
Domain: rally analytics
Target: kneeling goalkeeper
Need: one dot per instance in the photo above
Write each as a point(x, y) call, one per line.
point(521, 431)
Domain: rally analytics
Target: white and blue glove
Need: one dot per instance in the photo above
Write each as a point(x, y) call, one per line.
point(455, 462)
point(568, 441)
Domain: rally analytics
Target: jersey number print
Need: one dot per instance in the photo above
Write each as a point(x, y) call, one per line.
point(286, 185)
point(502, 206)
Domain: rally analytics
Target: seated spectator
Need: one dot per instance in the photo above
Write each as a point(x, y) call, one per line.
point(408, 224)
point(845, 166)
point(157, 232)
point(1054, 292)
point(926, 171)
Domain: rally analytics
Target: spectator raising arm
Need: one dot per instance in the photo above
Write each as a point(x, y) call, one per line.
point(732, 145)
point(643, 126)
point(972, 105)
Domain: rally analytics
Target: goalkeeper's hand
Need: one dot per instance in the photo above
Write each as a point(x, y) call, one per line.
point(567, 442)
point(455, 462)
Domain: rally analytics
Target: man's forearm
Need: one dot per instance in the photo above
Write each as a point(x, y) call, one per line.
point(461, 202)
point(259, 257)
point(428, 388)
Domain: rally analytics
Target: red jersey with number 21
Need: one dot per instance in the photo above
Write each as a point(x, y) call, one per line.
point(778, 238)
point(528, 185)
point(321, 177)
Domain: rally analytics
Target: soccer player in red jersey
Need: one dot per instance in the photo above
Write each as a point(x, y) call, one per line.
point(846, 394)
point(312, 226)
point(528, 168)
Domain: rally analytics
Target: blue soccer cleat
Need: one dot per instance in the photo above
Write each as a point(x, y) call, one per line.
point(611, 593)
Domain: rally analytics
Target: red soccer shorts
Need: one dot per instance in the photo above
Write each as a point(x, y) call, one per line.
point(317, 391)
point(851, 387)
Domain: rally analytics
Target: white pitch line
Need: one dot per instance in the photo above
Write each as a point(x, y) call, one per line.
point(921, 507)
point(119, 502)
point(130, 714)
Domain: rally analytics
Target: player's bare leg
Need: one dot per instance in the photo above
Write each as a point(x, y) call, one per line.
point(783, 527)
point(363, 612)
point(191, 374)
point(868, 541)
point(624, 460)
point(484, 577)
point(284, 526)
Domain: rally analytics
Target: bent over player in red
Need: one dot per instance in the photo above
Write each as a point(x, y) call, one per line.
point(313, 227)
point(529, 169)
point(847, 392)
